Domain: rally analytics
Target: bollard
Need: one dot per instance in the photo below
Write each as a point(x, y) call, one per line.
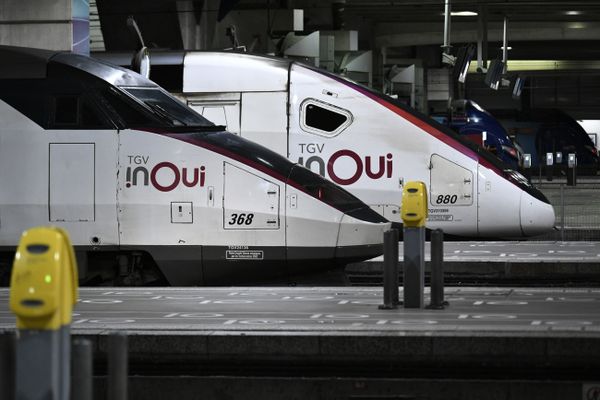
point(572, 169)
point(549, 166)
point(527, 167)
point(7, 365)
point(437, 271)
point(81, 382)
point(43, 291)
point(562, 212)
point(117, 366)
point(414, 214)
point(390, 270)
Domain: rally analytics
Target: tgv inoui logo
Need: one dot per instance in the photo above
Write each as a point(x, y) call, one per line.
point(164, 176)
point(351, 163)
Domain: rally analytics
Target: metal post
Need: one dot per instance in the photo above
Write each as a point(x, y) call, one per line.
point(571, 173)
point(437, 270)
point(549, 166)
point(414, 266)
point(39, 364)
point(447, 11)
point(505, 45)
point(390, 270)
point(7, 365)
point(117, 366)
point(562, 212)
point(81, 382)
point(527, 166)
point(482, 38)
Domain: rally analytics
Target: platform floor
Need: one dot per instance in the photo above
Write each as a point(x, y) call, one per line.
point(334, 342)
point(526, 263)
point(524, 311)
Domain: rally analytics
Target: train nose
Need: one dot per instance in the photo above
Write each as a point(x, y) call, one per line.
point(537, 217)
point(359, 239)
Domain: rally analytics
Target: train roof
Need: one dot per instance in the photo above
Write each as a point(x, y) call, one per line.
point(28, 63)
point(244, 72)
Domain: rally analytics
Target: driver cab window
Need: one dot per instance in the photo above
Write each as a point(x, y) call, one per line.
point(74, 112)
point(322, 118)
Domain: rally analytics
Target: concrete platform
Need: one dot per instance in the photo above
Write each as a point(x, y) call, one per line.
point(508, 343)
point(527, 263)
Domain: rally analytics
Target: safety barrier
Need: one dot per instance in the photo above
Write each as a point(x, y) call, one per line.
point(414, 215)
point(576, 208)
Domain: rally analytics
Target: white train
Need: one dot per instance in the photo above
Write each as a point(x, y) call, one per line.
point(141, 181)
point(358, 138)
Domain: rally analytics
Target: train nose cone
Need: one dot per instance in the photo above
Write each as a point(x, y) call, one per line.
point(537, 217)
point(359, 240)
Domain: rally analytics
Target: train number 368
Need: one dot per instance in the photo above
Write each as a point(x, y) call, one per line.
point(446, 199)
point(241, 219)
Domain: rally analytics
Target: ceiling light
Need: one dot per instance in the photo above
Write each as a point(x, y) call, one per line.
point(577, 25)
point(573, 13)
point(463, 13)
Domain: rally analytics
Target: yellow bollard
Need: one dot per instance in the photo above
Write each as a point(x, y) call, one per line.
point(414, 204)
point(43, 292)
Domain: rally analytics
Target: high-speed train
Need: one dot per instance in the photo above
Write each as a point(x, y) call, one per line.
point(141, 182)
point(358, 138)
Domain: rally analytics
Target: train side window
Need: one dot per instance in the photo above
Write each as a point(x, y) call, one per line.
point(66, 111)
point(322, 118)
point(90, 117)
point(75, 112)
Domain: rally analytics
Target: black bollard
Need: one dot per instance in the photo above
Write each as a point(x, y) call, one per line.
point(390, 270)
point(572, 169)
point(549, 166)
point(414, 266)
point(81, 381)
point(8, 342)
point(437, 271)
point(117, 366)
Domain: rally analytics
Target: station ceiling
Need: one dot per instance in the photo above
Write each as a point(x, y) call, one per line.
point(564, 34)
point(517, 10)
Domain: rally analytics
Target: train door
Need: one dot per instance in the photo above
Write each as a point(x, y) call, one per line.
point(220, 109)
point(72, 182)
point(451, 196)
point(258, 209)
point(255, 225)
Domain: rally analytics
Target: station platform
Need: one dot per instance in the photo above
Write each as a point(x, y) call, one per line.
point(335, 343)
point(522, 263)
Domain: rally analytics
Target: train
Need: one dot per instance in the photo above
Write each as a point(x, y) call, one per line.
point(150, 191)
point(359, 138)
point(470, 120)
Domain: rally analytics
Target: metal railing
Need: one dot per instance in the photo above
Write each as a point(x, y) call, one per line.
point(577, 208)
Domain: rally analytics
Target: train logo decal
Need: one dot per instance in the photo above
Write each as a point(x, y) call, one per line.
point(164, 176)
point(373, 167)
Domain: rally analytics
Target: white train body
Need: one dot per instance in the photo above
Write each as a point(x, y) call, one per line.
point(81, 148)
point(363, 141)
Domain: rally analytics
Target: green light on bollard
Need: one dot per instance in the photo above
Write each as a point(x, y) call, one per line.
point(48, 278)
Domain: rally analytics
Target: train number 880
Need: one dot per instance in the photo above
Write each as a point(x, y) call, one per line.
point(446, 199)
